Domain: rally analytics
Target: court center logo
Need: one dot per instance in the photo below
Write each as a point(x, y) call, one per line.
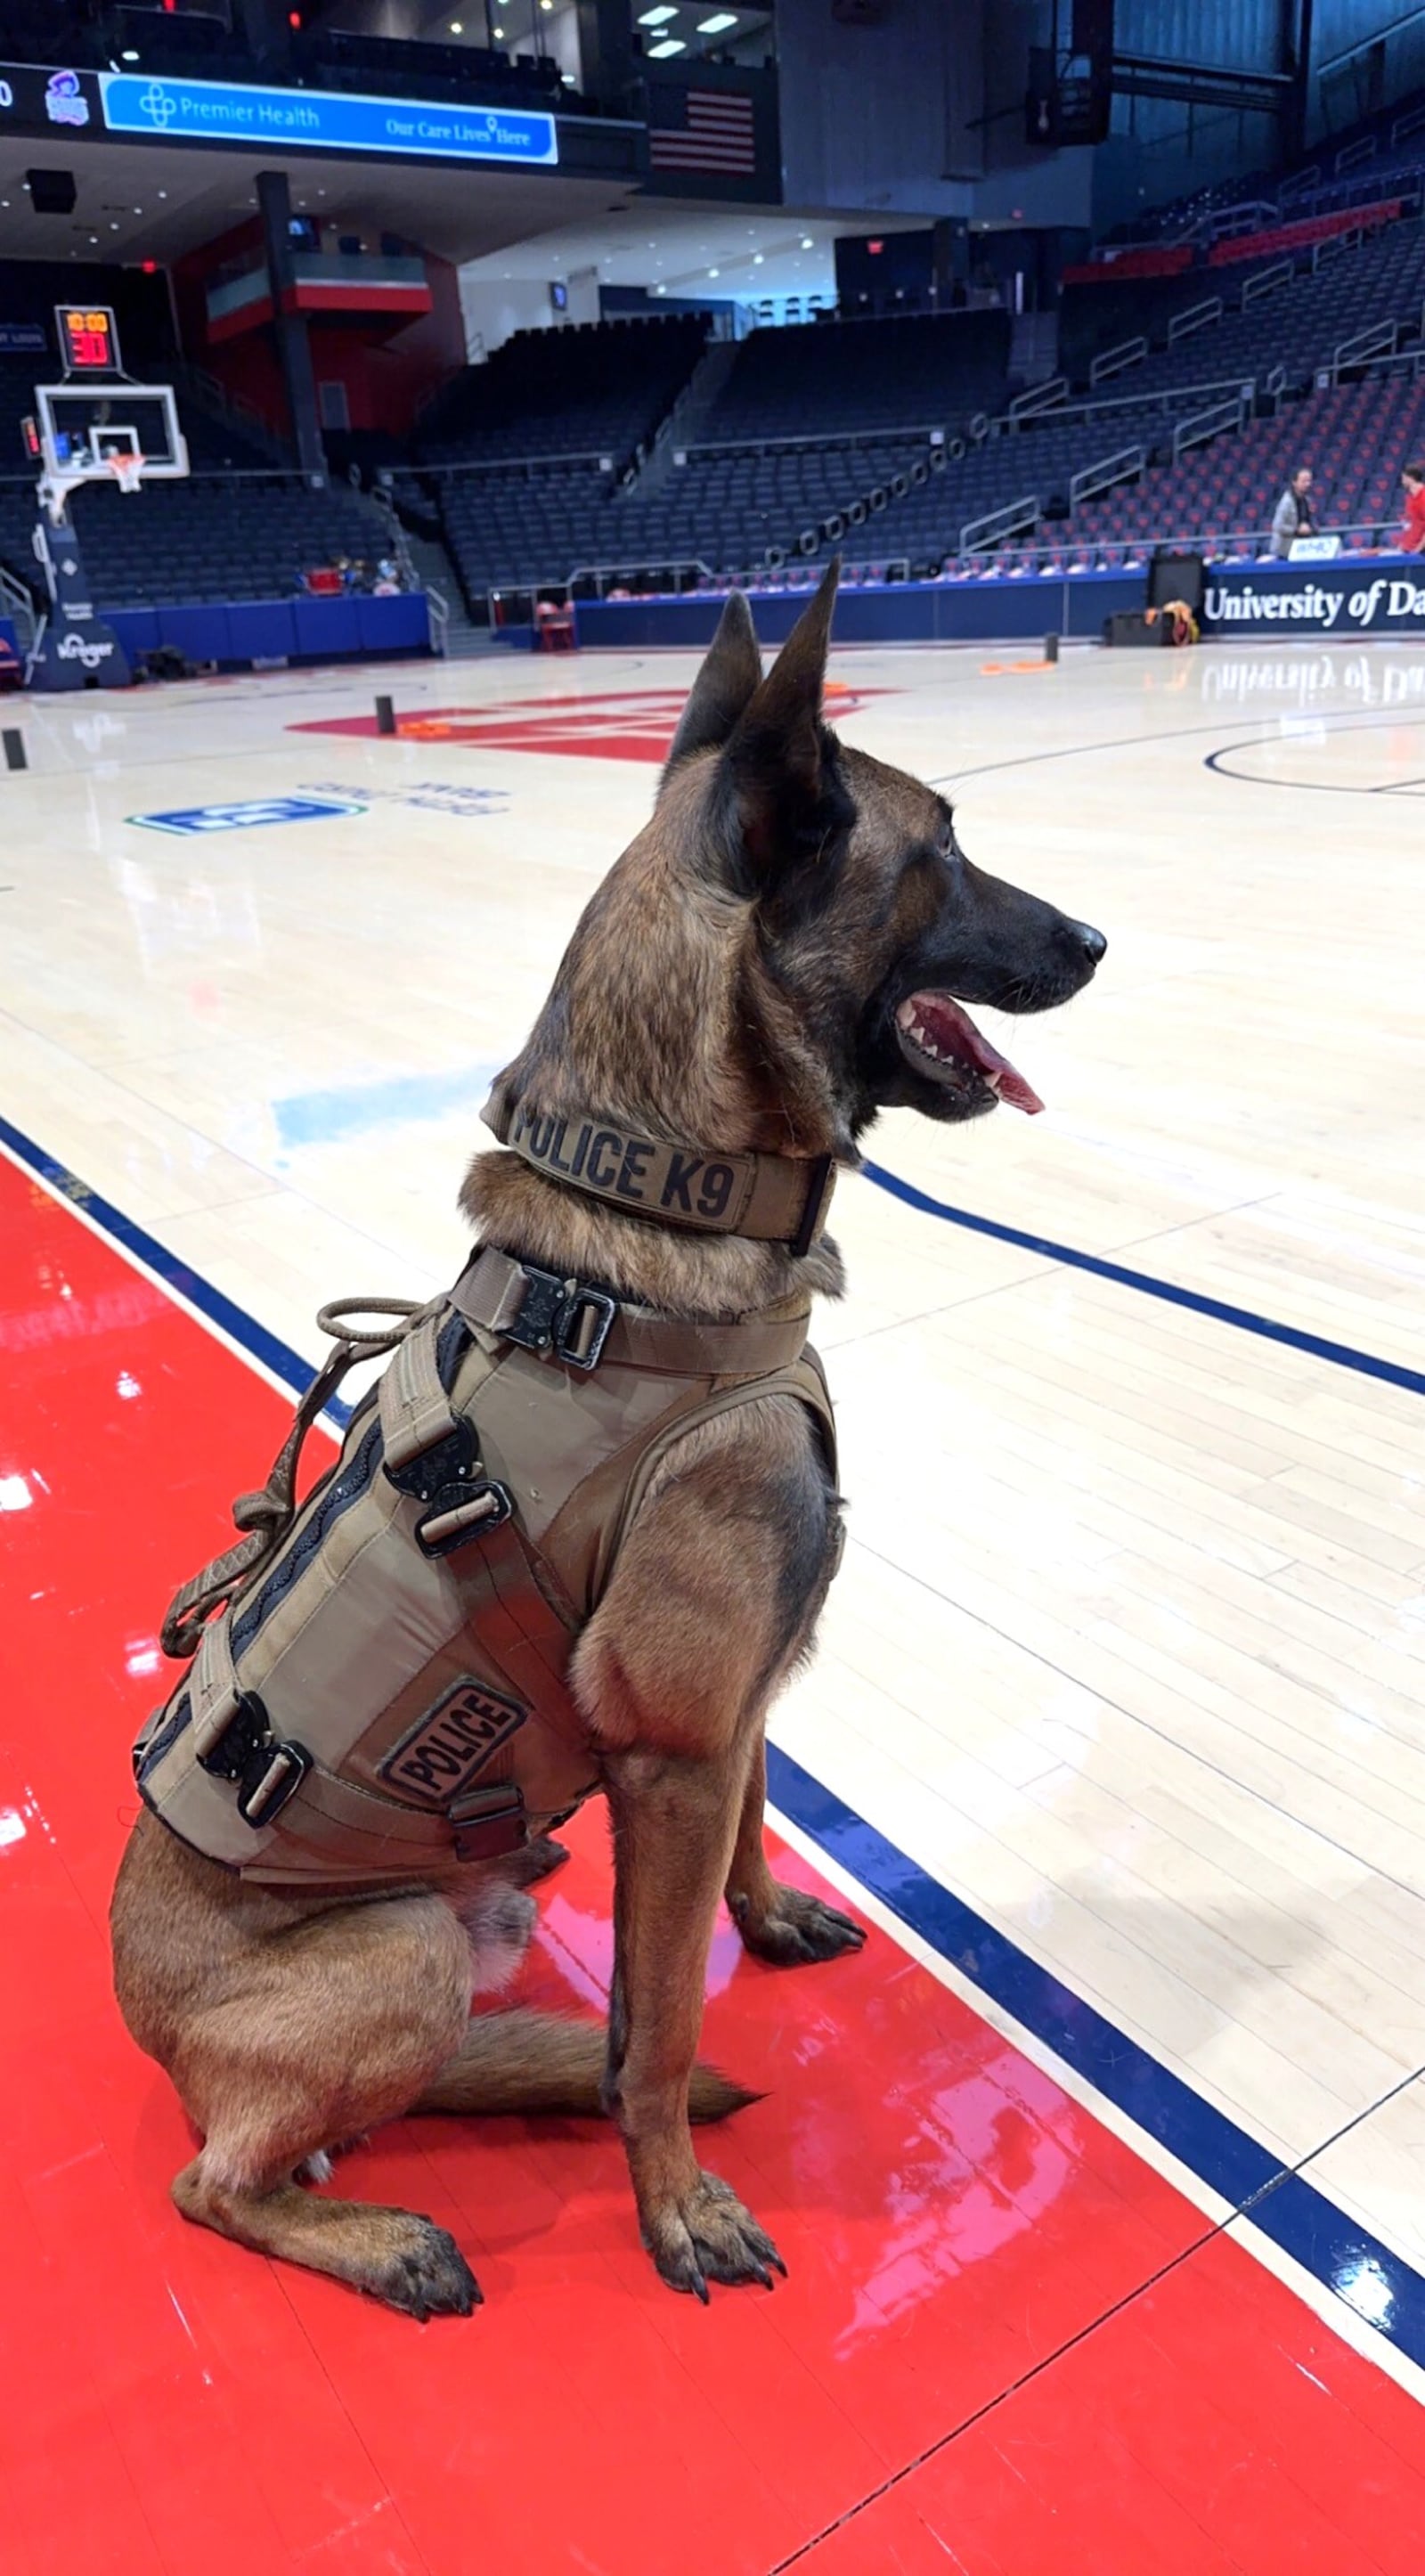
point(615, 724)
point(190, 821)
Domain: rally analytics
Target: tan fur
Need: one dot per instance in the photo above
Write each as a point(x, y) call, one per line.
point(710, 996)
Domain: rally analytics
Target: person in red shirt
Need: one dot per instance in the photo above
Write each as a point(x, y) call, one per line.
point(1412, 535)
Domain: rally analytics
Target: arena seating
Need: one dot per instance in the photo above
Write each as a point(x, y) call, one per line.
point(1299, 326)
point(828, 387)
point(1388, 146)
point(249, 537)
point(920, 370)
point(596, 389)
point(1296, 326)
point(1356, 438)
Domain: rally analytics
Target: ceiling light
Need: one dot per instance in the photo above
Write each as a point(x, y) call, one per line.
point(757, 259)
point(546, 4)
point(715, 26)
point(129, 56)
point(113, 228)
point(667, 45)
point(714, 272)
point(163, 192)
point(807, 243)
point(657, 17)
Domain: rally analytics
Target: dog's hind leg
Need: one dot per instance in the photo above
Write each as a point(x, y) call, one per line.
point(315, 2034)
point(782, 1924)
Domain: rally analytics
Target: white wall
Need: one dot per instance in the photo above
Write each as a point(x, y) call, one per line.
point(494, 308)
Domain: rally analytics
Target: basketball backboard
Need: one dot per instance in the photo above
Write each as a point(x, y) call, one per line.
point(83, 424)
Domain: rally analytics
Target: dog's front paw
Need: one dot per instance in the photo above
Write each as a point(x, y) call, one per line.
point(795, 1928)
point(707, 2235)
point(422, 2271)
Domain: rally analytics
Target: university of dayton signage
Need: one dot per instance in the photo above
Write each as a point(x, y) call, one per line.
point(1299, 599)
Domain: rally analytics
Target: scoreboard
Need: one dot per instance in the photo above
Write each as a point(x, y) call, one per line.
point(88, 339)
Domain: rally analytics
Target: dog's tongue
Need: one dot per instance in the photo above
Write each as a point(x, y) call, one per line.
point(953, 1033)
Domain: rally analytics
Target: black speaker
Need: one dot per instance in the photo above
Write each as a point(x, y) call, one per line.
point(1130, 626)
point(52, 192)
point(1173, 577)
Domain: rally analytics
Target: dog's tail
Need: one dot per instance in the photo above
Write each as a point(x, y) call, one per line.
point(532, 2061)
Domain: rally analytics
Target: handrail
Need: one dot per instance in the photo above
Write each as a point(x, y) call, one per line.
point(1001, 523)
point(1377, 340)
point(1039, 398)
point(1202, 425)
point(509, 464)
point(15, 598)
point(1112, 362)
point(1334, 246)
point(1195, 317)
point(1121, 467)
point(1267, 281)
point(1412, 122)
point(1204, 536)
point(1354, 156)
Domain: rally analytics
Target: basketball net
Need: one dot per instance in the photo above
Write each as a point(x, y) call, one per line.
point(126, 468)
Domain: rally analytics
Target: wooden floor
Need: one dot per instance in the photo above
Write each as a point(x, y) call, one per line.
point(1128, 1655)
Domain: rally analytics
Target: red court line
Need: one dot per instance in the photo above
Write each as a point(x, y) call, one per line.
point(953, 2220)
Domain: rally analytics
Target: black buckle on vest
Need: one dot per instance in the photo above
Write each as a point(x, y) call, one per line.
point(491, 1829)
point(459, 1513)
point(266, 1768)
point(563, 1316)
point(461, 1501)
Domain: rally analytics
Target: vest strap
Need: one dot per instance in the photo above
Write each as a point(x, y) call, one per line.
point(771, 1198)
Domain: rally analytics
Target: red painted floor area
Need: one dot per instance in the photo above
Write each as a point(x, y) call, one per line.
point(611, 724)
point(1006, 2347)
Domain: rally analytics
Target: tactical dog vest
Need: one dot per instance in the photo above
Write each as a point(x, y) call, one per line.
point(378, 1687)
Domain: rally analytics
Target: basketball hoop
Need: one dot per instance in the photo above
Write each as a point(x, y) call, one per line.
point(126, 466)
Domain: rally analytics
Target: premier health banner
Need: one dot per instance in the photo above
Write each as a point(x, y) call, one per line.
point(1350, 598)
point(184, 111)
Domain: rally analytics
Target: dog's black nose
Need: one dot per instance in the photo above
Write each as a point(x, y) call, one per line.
point(1092, 942)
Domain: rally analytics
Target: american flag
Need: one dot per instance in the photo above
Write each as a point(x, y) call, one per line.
point(707, 129)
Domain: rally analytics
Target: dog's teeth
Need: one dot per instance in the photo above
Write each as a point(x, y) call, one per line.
point(993, 1079)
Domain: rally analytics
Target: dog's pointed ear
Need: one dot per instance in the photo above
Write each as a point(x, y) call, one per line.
point(729, 677)
point(774, 767)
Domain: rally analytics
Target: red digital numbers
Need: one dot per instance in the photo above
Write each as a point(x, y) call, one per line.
point(88, 338)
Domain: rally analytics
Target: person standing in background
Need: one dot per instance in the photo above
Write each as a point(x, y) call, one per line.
point(1294, 514)
point(1412, 535)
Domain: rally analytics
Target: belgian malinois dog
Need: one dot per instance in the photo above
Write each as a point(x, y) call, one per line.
point(786, 948)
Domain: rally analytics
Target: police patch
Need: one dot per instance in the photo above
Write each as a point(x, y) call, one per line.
point(437, 1759)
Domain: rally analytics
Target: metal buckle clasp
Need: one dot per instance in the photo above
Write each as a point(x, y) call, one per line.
point(264, 1768)
point(563, 1316)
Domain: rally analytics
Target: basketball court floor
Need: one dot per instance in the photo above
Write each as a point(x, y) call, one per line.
point(1100, 2173)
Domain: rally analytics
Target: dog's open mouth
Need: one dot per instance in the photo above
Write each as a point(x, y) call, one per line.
point(942, 1042)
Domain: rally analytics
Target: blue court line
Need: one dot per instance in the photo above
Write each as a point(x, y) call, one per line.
point(1375, 2283)
point(1241, 1318)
